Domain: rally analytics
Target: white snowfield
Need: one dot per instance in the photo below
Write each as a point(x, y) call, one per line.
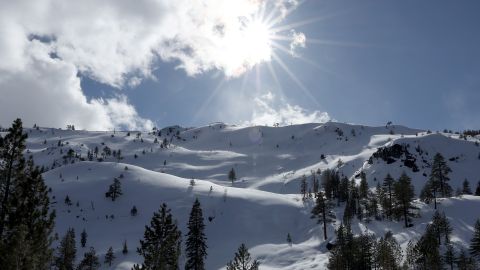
point(262, 206)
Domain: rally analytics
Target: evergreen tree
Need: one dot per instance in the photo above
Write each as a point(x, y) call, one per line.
point(26, 222)
point(83, 238)
point(372, 205)
point(352, 202)
point(304, 188)
point(114, 190)
point(440, 227)
point(322, 212)
point(66, 252)
point(475, 242)
point(363, 189)
point(464, 262)
point(343, 190)
point(13, 163)
point(429, 249)
point(412, 256)
point(388, 185)
point(477, 190)
point(90, 261)
point(404, 195)
point(196, 247)
point(327, 181)
point(109, 256)
point(133, 211)
point(242, 260)
point(388, 253)
point(449, 256)
point(426, 194)
point(232, 176)
point(381, 199)
point(68, 201)
point(438, 181)
point(466, 188)
point(125, 248)
point(160, 246)
point(289, 239)
point(315, 184)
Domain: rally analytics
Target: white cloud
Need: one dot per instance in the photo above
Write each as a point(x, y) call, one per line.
point(47, 92)
point(46, 44)
point(269, 111)
point(298, 41)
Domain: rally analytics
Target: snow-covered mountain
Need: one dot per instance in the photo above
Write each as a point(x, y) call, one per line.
point(263, 205)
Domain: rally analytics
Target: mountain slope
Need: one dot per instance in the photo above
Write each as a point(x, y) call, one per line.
point(263, 205)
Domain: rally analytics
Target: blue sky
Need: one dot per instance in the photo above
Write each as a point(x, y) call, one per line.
point(415, 63)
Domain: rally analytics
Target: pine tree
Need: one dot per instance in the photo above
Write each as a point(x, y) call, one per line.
point(68, 201)
point(133, 211)
point(404, 195)
point(196, 247)
point(449, 256)
point(289, 239)
point(114, 190)
point(412, 256)
point(160, 246)
point(446, 228)
point(125, 248)
point(475, 242)
point(363, 189)
point(381, 199)
point(466, 187)
point(426, 194)
point(428, 248)
point(343, 190)
point(464, 262)
point(83, 238)
point(232, 176)
point(322, 212)
point(352, 202)
point(242, 260)
point(327, 181)
point(66, 252)
point(372, 206)
point(315, 184)
point(304, 188)
point(26, 222)
point(13, 162)
point(438, 181)
point(477, 190)
point(388, 185)
point(388, 253)
point(109, 256)
point(90, 261)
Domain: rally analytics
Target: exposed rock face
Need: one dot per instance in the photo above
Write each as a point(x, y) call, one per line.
point(392, 153)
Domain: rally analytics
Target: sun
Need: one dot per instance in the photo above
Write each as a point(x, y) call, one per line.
point(246, 45)
point(257, 41)
point(249, 41)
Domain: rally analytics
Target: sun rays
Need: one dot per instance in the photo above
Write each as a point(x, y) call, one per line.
point(263, 41)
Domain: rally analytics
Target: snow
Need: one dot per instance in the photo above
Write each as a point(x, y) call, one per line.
point(262, 206)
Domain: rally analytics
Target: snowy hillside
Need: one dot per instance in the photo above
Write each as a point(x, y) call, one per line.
point(263, 205)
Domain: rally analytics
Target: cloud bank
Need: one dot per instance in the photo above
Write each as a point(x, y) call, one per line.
point(46, 46)
point(269, 110)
